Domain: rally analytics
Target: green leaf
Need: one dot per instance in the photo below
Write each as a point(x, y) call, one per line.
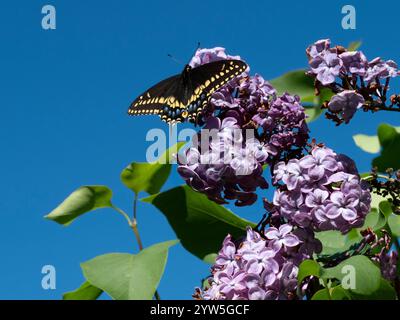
point(312, 112)
point(198, 222)
point(126, 276)
point(85, 292)
point(394, 224)
point(298, 83)
point(389, 138)
point(385, 208)
point(332, 241)
point(366, 274)
point(322, 294)
point(308, 268)
point(338, 293)
point(82, 200)
point(354, 45)
point(376, 199)
point(367, 143)
point(384, 292)
point(374, 220)
point(149, 177)
point(386, 134)
point(335, 293)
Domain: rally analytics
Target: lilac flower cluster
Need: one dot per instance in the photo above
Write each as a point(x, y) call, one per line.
point(247, 104)
point(227, 163)
point(321, 191)
point(353, 78)
point(257, 268)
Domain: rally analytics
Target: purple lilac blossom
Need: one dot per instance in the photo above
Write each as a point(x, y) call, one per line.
point(346, 73)
point(354, 62)
point(256, 268)
point(320, 192)
point(378, 68)
point(234, 169)
point(326, 67)
point(327, 63)
point(318, 48)
point(346, 103)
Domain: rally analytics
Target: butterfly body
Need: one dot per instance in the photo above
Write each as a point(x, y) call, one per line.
point(183, 97)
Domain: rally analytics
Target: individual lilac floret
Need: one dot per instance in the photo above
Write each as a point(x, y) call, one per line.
point(321, 191)
point(346, 103)
point(318, 48)
point(203, 56)
point(380, 69)
point(354, 62)
point(326, 67)
point(281, 237)
point(257, 268)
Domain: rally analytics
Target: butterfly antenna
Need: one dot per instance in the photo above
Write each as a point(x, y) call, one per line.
point(197, 48)
point(174, 59)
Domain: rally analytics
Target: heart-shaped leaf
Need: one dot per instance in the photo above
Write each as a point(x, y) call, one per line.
point(358, 272)
point(308, 268)
point(85, 292)
point(82, 200)
point(367, 143)
point(198, 222)
point(149, 177)
point(127, 276)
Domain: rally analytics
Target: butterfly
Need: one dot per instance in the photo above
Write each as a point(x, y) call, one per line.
point(184, 96)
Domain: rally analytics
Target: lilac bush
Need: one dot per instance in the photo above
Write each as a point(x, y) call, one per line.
point(250, 137)
point(316, 189)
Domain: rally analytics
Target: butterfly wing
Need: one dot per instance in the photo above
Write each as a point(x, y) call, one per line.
point(153, 100)
point(184, 96)
point(206, 79)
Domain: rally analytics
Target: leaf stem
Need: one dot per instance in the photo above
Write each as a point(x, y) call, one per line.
point(122, 213)
point(133, 224)
point(327, 287)
point(137, 235)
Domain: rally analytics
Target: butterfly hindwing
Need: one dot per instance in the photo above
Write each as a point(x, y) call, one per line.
point(183, 97)
point(208, 78)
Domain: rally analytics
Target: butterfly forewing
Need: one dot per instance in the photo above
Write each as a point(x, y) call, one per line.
point(184, 96)
point(154, 99)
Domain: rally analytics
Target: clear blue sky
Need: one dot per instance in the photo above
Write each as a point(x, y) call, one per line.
point(63, 122)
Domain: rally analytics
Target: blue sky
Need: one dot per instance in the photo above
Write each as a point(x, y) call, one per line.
point(63, 123)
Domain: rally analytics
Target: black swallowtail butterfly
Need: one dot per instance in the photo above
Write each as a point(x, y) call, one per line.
point(184, 96)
